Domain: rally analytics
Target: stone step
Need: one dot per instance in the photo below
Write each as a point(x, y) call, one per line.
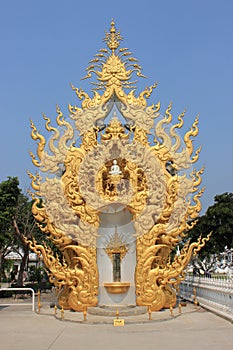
point(123, 310)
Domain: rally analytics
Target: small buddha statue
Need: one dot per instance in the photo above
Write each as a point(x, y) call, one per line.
point(115, 169)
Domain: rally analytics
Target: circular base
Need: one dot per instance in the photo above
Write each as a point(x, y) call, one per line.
point(117, 287)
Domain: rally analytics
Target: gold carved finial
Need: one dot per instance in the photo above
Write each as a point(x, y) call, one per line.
point(113, 29)
point(113, 38)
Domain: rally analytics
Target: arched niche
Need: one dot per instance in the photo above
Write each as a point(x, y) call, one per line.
point(116, 247)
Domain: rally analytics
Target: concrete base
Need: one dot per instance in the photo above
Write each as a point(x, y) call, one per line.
point(127, 298)
point(128, 310)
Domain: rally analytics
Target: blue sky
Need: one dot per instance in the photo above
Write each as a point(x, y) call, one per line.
point(186, 45)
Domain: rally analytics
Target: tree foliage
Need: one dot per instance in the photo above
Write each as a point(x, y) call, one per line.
point(218, 219)
point(17, 224)
point(9, 192)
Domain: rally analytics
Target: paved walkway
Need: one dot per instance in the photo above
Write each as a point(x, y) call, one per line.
point(194, 328)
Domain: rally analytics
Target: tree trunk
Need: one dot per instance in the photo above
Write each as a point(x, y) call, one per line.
point(1, 265)
point(22, 267)
point(25, 247)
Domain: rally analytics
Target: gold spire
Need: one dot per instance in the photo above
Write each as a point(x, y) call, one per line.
point(113, 38)
point(113, 67)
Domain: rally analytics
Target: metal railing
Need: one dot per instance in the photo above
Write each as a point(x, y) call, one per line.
point(19, 304)
point(215, 294)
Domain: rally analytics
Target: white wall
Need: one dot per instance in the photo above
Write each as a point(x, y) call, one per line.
point(127, 275)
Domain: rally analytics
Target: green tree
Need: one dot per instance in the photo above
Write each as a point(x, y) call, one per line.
point(16, 224)
point(9, 192)
point(218, 219)
point(36, 274)
point(25, 228)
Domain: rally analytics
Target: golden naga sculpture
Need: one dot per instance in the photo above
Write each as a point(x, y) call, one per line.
point(116, 151)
